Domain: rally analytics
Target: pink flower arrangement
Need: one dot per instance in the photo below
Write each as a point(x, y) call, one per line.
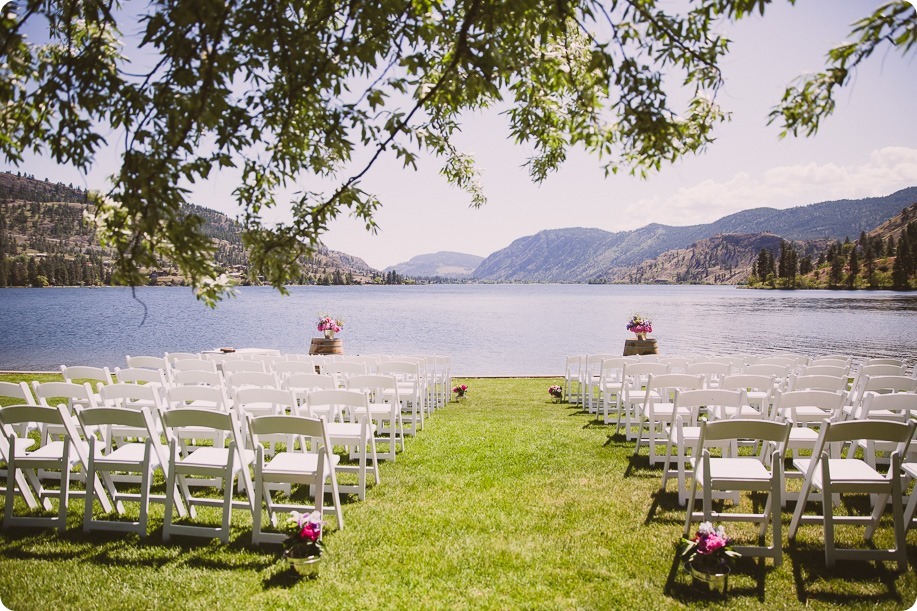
point(556, 391)
point(305, 534)
point(460, 390)
point(640, 324)
point(327, 323)
point(709, 549)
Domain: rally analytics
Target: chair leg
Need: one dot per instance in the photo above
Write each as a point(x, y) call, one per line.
point(828, 517)
point(690, 508)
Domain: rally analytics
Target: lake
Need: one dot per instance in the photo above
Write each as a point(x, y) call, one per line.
point(504, 330)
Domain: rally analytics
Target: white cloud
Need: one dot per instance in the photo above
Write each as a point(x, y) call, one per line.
point(886, 171)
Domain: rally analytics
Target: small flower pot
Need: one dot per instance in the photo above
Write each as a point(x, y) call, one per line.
point(709, 580)
point(329, 334)
point(306, 566)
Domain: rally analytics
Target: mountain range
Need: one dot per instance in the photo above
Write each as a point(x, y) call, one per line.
point(589, 254)
point(43, 222)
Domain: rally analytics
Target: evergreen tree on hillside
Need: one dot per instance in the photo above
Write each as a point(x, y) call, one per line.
point(853, 268)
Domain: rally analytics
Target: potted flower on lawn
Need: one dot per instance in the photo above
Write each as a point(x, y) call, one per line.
point(557, 392)
point(303, 547)
point(708, 558)
point(460, 390)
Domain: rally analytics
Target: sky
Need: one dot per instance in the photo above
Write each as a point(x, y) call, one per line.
point(867, 148)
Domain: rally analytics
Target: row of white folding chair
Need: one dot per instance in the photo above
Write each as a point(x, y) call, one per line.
point(825, 471)
point(95, 456)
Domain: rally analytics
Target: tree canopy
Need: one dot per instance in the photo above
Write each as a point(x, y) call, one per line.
point(298, 93)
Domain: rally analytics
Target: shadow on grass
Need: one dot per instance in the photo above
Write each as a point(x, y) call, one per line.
point(665, 502)
point(810, 572)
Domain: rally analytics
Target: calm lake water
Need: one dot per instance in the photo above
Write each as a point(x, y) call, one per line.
point(487, 329)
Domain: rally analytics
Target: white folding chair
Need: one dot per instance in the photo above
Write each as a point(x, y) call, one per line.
point(384, 409)
point(312, 464)
point(190, 377)
point(759, 390)
point(683, 435)
point(591, 378)
point(49, 394)
point(732, 472)
point(828, 472)
point(611, 386)
point(574, 368)
point(25, 464)
point(634, 391)
point(358, 435)
point(658, 412)
point(301, 384)
point(712, 371)
point(410, 392)
point(142, 456)
point(223, 464)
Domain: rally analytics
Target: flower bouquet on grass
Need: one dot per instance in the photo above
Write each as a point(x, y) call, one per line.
point(303, 546)
point(640, 325)
point(460, 390)
point(709, 557)
point(556, 391)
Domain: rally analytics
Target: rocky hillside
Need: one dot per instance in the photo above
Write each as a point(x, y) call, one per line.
point(45, 239)
point(588, 255)
point(443, 264)
point(722, 259)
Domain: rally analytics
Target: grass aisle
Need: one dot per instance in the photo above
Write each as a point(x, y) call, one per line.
point(504, 501)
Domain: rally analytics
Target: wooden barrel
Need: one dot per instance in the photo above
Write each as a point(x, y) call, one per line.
point(640, 346)
point(320, 345)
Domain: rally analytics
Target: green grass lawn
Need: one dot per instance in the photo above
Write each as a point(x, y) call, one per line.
point(505, 500)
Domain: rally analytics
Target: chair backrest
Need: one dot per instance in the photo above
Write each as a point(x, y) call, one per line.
point(834, 360)
point(58, 416)
point(274, 399)
point(901, 405)
point(20, 392)
point(748, 381)
point(200, 418)
point(198, 378)
point(744, 429)
point(173, 357)
point(791, 362)
point(84, 372)
point(132, 396)
point(875, 430)
point(243, 379)
point(716, 400)
point(818, 382)
point(289, 425)
point(147, 362)
point(402, 370)
point(884, 361)
point(791, 401)
point(75, 394)
point(343, 369)
point(347, 401)
point(612, 369)
point(288, 368)
point(640, 369)
point(139, 375)
point(666, 384)
point(97, 418)
point(882, 369)
point(779, 372)
point(376, 385)
point(307, 382)
point(678, 364)
point(200, 397)
point(889, 384)
point(712, 371)
point(825, 370)
point(232, 367)
point(197, 364)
